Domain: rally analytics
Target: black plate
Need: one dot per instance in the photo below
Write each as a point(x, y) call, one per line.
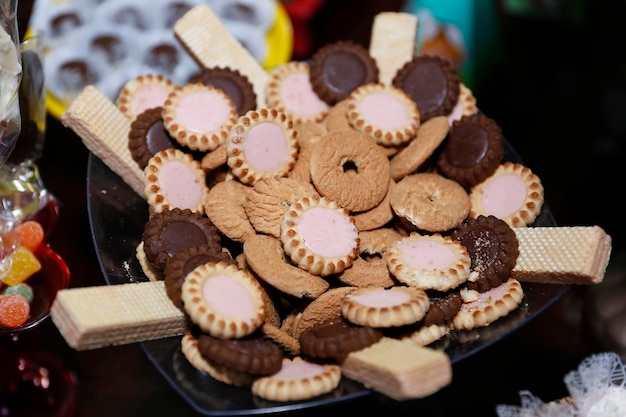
point(117, 216)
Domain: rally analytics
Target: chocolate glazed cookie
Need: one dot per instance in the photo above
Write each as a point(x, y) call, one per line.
point(232, 82)
point(432, 83)
point(147, 136)
point(493, 249)
point(472, 151)
point(253, 355)
point(339, 68)
point(168, 231)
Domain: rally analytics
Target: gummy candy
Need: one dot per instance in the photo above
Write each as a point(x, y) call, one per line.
point(19, 266)
point(14, 310)
point(22, 289)
point(29, 233)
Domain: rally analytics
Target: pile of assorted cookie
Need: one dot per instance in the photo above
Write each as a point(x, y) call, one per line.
point(330, 218)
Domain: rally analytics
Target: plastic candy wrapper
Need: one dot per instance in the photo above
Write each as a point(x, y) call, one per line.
point(597, 389)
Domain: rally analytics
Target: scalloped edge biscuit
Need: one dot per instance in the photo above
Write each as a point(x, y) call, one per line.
point(512, 193)
point(385, 307)
point(142, 93)
point(173, 179)
point(199, 116)
point(208, 315)
point(434, 261)
point(372, 106)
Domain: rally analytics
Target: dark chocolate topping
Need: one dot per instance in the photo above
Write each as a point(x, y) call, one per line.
point(472, 151)
point(63, 23)
point(74, 75)
point(253, 355)
point(442, 308)
point(168, 231)
point(339, 68)
point(493, 249)
point(111, 46)
point(335, 340)
point(186, 260)
point(432, 83)
point(162, 57)
point(234, 84)
point(130, 16)
point(147, 136)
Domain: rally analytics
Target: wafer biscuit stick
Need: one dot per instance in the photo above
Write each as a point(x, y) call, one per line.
point(93, 317)
point(562, 255)
point(393, 42)
point(204, 36)
point(104, 130)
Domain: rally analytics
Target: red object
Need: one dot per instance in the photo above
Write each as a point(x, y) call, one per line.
point(301, 12)
point(14, 310)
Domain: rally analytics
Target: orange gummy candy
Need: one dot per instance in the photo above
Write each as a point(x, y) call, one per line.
point(29, 233)
point(22, 263)
point(14, 310)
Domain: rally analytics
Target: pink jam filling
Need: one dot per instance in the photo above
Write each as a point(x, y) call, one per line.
point(203, 111)
point(428, 255)
point(327, 233)
point(456, 113)
point(384, 111)
point(180, 184)
point(229, 297)
point(297, 95)
point(148, 97)
point(265, 147)
point(294, 371)
point(504, 195)
point(381, 298)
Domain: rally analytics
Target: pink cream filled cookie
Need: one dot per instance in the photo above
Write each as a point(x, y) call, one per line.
point(142, 93)
point(262, 144)
point(199, 116)
point(319, 236)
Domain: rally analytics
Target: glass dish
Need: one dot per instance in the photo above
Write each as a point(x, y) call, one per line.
point(117, 216)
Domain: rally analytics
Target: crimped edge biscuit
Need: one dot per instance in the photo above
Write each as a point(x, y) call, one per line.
point(189, 347)
point(151, 272)
point(191, 136)
point(298, 379)
point(275, 96)
point(426, 335)
point(529, 200)
point(207, 316)
point(380, 307)
point(418, 270)
point(465, 105)
point(482, 309)
point(124, 100)
point(164, 198)
point(365, 102)
point(241, 165)
point(299, 249)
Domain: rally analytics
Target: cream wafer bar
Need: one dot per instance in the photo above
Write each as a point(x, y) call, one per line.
point(392, 42)
point(104, 130)
point(562, 255)
point(94, 317)
point(204, 36)
point(399, 368)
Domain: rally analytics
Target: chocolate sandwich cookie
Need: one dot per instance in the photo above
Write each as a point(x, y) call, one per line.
point(493, 249)
point(186, 260)
point(147, 136)
point(170, 230)
point(253, 355)
point(431, 82)
point(339, 68)
point(472, 151)
point(336, 339)
point(443, 308)
point(232, 82)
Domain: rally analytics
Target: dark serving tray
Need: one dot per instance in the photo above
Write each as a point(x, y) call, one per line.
point(117, 216)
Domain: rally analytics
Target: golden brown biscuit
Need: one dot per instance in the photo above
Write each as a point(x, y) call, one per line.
point(325, 308)
point(430, 202)
point(349, 168)
point(142, 93)
point(376, 217)
point(225, 207)
point(265, 256)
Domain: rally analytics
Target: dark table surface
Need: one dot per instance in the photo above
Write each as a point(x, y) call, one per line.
point(120, 381)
